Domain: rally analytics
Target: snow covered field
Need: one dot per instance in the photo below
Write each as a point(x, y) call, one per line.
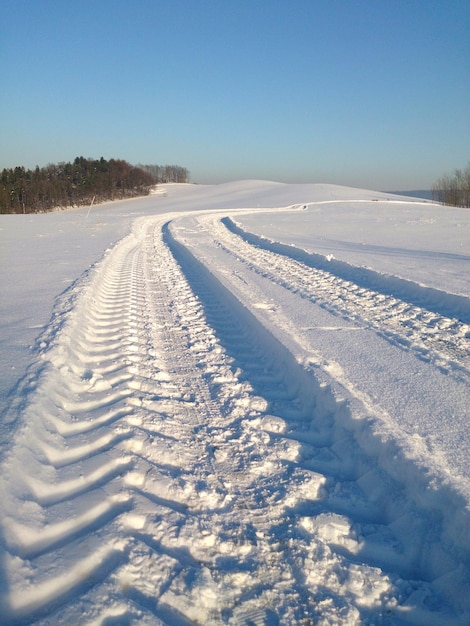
point(236, 404)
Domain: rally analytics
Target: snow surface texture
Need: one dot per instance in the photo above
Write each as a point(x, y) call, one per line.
point(249, 406)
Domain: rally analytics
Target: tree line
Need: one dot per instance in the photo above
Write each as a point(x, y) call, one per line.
point(167, 173)
point(75, 184)
point(453, 189)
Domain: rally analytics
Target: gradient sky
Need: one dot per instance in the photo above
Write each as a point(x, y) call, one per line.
point(367, 93)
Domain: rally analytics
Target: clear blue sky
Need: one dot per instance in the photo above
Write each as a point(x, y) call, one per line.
point(368, 93)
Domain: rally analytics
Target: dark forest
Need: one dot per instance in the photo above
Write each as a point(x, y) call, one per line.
point(81, 183)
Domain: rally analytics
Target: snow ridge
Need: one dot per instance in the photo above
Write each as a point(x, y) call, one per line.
point(396, 308)
point(434, 300)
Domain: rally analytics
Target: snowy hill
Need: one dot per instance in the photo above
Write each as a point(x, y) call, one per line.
point(236, 404)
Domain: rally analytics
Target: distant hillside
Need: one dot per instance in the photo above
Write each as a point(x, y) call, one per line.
point(425, 194)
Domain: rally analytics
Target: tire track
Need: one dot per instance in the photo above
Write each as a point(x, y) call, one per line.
point(318, 437)
point(176, 465)
point(76, 458)
point(68, 459)
point(434, 337)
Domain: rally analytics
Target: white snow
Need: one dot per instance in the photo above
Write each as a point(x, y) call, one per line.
point(236, 404)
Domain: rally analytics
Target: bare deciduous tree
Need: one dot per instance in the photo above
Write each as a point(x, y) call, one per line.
point(453, 189)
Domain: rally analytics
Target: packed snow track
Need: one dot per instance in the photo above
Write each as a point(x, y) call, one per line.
point(194, 451)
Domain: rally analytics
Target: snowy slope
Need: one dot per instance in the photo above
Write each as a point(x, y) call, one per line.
point(249, 406)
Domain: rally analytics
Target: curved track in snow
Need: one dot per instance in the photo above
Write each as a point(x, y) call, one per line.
point(433, 324)
point(180, 461)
